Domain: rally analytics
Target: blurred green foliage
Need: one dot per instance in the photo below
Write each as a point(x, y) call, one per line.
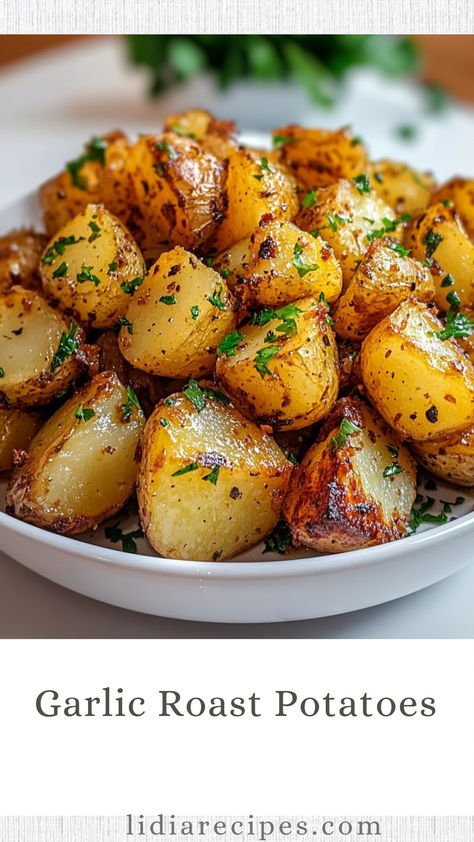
point(319, 62)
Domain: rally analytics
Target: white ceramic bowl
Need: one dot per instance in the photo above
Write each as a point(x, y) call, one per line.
point(251, 590)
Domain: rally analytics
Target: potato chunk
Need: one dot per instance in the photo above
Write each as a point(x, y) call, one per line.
point(348, 220)
point(81, 466)
point(282, 263)
point(178, 317)
point(20, 253)
point(40, 350)
point(452, 458)
point(320, 156)
point(356, 485)
point(253, 188)
point(211, 484)
point(92, 266)
point(283, 370)
point(215, 136)
point(383, 280)
point(17, 428)
point(404, 188)
point(422, 386)
point(438, 237)
point(178, 188)
point(459, 192)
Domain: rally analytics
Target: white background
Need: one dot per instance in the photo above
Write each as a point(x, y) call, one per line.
point(417, 766)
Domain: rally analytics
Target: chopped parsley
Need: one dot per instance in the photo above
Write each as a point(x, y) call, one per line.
point(177, 129)
point(421, 515)
point(309, 199)
point(225, 273)
point(168, 299)
point(346, 428)
point(356, 141)
point(230, 343)
point(163, 422)
point(448, 281)
point(287, 314)
point(264, 168)
point(96, 229)
point(61, 270)
point(123, 322)
point(388, 226)
point(58, 248)
point(208, 262)
point(406, 132)
point(68, 344)
point(280, 140)
point(216, 299)
point(336, 220)
point(431, 241)
point(298, 263)
point(132, 401)
point(113, 266)
point(86, 275)
point(129, 287)
point(458, 326)
point(448, 203)
point(198, 395)
point(164, 146)
point(194, 312)
point(262, 318)
point(392, 470)
point(213, 476)
point(2, 372)
point(263, 356)
point(95, 152)
point(393, 450)
point(115, 534)
point(18, 331)
point(83, 414)
point(379, 177)
point(362, 182)
point(280, 540)
point(193, 466)
point(323, 300)
point(453, 299)
point(399, 249)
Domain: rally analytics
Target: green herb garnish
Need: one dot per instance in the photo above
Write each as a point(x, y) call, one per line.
point(129, 287)
point(83, 414)
point(399, 249)
point(68, 344)
point(280, 540)
point(95, 152)
point(298, 263)
point(168, 299)
point(458, 326)
point(392, 470)
point(431, 241)
point(61, 271)
point(194, 312)
point(263, 356)
point(309, 199)
point(346, 428)
point(123, 322)
point(164, 146)
point(132, 401)
point(58, 248)
point(216, 299)
point(86, 275)
point(213, 476)
point(116, 534)
point(230, 343)
point(193, 466)
point(362, 182)
point(95, 231)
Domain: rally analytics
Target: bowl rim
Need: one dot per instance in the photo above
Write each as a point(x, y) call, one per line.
point(230, 570)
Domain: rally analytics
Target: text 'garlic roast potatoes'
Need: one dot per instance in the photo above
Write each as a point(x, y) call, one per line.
point(40, 349)
point(177, 317)
point(81, 466)
point(452, 458)
point(92, 266)
point(17, 428)
point(280, 264)
point(211, 484)
point(320, 156)
point(421, 384)
point(356, 485)
point(282, 370)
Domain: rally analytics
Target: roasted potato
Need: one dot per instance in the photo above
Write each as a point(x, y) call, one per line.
point(211, 484)
point(280, 264)
point(17, 428)
point(283, 371)
point(40, 350)
point(356, 485)
point(458, 192)
point(452, 458)
point(254, 188)
point(80, 468)
point(215, 136)
point(404, 188)
point(422, 386)
point(386, 276)
point(178, 317)
point(320, 156)
point(20, 253)
point(349, 220)
point(179, 190)
point(438, 237)
point(92, 266)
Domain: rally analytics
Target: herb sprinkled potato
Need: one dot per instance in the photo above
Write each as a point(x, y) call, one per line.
point(356, 485)
point(17, 428)
point(211, 484)
point(20, 253)
point(41, 351)
point(80, 468)
point(419, 379)
point(178, 317)
point(320, 156)
point(92, 266)
point(282, 370)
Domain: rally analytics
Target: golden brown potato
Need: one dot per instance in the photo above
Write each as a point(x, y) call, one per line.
point(404, 188)
point(356, 485)
point(17, 428)
point(211, 484)
point(254, 187)
point(282, 370)
point(178, 188)
point(81, 467)
point(452, 458)
point(349, 221)
point(320, 156)
point(437, 236)
point(92, 266)
point(20, 252)
point(281, 263)
point(179, 316)
point(422, 386)
point(41, 351)
point(459, 192)
point(386, 276)
point(215, 136)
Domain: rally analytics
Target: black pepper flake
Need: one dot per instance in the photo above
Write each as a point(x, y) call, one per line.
point(432, 414)
point(235, 493)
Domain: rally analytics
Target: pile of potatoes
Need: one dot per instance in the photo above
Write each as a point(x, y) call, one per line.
point(248, 338)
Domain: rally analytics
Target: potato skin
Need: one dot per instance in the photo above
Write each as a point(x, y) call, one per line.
point(345, 218)
point(320, 156)
point(26, 356)
point(188, 517)
point(269, 275)
point(17, 428)
point(20, 252)
point(452, 458)
point(383, 280)
point(453, 254)
point(79, 472)
point(302, 380)
point(339, 499)
point(215, 136)
point(103, 249)
point(421, 385)
point(169, 337)
point(404, 188)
